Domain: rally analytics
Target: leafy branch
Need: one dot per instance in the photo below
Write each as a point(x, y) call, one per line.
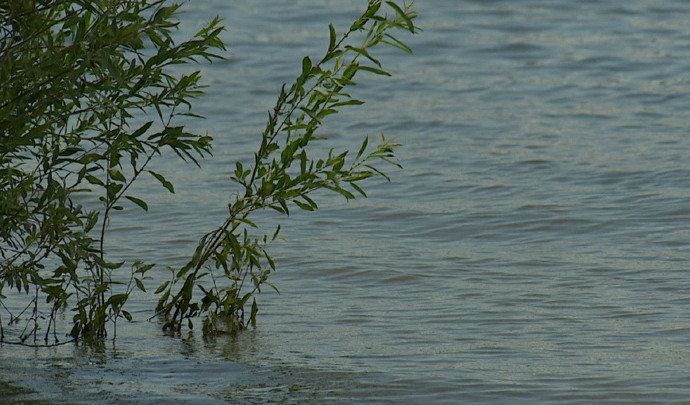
point(285, 173)
point(73, 78)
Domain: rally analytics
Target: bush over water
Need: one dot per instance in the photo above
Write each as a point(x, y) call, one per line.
point(88, 101)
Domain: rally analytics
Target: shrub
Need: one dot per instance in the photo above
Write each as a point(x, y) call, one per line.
point(75, 77)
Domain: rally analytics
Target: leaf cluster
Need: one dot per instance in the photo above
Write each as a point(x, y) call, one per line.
point(87, 100)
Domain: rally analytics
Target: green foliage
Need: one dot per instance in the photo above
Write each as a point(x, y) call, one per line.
point(79, 83)
point(75, 77)
point(229, 266)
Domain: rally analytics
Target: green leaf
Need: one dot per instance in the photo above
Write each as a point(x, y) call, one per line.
point(357, 176)
point(142, 129)
point(363, 52)
point(143, 268)
point(359, 189)
point(331, 44)
point(94, 180)
point(348, 102)
point(303, 206)
point(348, 195)
point(140, 284)
point(373, 8)
point(306, 66)
point(116, 175)
point(350, 72)
point(283, 204)
point(382, 174)
point(333, 54)
point(403, 15)
point(138, 202)
point(161, 287)
point(397, 43)
point(325, 113)
point(156, 39)
point(310, 201)
point(163, 181)
point(374, 70)
point(247, 221)
point(112, 190)
point(362, 148)
point(117, 300)
point(91, 222)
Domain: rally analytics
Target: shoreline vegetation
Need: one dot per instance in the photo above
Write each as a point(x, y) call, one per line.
point(75, 75)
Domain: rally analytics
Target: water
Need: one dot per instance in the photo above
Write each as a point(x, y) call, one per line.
point(534, 248)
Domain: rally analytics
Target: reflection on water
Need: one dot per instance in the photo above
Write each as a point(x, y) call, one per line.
point(533, 249)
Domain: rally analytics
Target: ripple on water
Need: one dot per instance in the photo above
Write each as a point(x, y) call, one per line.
point(533, 249)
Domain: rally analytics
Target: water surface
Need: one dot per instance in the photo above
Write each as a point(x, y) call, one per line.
point(533, 249)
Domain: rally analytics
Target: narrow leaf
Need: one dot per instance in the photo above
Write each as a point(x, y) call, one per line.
point(359, 189)
point(397, 43)
point(331, 44)
point(306, 66)
point(303, 206)
point(142, 129)
point(402, 14)
point(348, 195)
point(162, 287)
point(374, 70)
point(163, 181)
point(116, 175)
point(138, 202)
point(140, 285)
point(94, 180)
point(348, 102)
point(362, 149)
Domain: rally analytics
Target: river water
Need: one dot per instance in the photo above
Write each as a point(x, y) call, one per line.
point(534, 249)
